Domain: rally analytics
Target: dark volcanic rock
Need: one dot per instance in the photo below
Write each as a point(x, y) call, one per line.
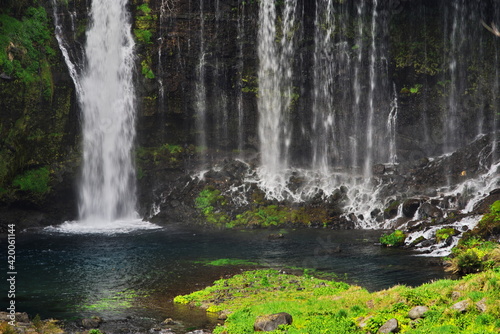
point(410, 206)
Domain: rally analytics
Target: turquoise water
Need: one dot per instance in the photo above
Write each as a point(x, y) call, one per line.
point(136, 275)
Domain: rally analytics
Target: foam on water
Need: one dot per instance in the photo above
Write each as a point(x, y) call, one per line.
point(443, 248)
point(100, 226)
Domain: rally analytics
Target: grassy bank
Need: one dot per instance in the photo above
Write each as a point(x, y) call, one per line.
point(322, 306)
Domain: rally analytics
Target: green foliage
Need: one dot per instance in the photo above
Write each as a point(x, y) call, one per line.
point(412, 90)
point(396, 238)
point(474, 252)
point(168, 155)
point(146, 70)
point(173, 149)
point(36, 180)
point(249, 84)
point(145, 23)
point(143, 35)
point(209, 202)
point(95, 331)
point(114, 301)
point(320, 306)
point(24, 46)
point(229, 262)
point(144, 8)
point(273, 216)
point(445, 233)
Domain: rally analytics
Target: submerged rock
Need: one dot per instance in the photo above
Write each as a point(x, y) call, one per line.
point(93, 322)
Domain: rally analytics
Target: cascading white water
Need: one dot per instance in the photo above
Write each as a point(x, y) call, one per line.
point(108, 107)
point(367, 171)
point(239, 105)
point(201, 90)
point(275, 93)
point(358, 61)
point(323, 124)
point(452, 132)
point(107, 98)
point(161, 89)
point(391, 127)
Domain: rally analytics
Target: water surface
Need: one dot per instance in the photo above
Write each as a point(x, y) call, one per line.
point(137, 274)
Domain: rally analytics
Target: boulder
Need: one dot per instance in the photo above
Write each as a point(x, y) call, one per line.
point(427, 210)
point(378, 169)
point(417, 241)
point(93, 322)
point(461, 306)
point(391, 326)
point(481, 305)
point(417, 312)
point(20, 316)
point(410, 206)
point(391, 211)
point(483, 206)
point(169, 321)
point(271, 322)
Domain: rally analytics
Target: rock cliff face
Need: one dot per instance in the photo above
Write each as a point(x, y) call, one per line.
point(433, 71)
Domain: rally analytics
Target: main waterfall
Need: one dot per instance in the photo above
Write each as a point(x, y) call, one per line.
point(107, 99)
point(108, 179)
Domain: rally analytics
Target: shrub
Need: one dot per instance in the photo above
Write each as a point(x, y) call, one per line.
point(474, 253)
point(207, 201)
point(36, 180)
point(396, 238)
point(445, 233)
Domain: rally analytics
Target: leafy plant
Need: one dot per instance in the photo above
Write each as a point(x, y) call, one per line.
point(445, 233)
point(396, 238)
point(24, 45)
point(474, 252)
point(95, 331)
point(36, 180)
point(207, 200)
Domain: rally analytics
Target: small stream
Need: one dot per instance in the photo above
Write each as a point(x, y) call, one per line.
point(136, 275)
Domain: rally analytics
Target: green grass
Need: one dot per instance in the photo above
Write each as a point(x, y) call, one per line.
point(228, 262)
point(324, 306)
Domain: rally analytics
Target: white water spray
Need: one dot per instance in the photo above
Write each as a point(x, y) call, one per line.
point(367, 171)
point(275, 92)
point(391, 127)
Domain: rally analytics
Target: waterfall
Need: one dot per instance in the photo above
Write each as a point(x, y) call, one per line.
point(356, 111)
point(165, 5)
point(457, 38)
point(201, 91)
point(64, 46)
point(323, 124)
point(107, 99)
point(108, 104)
point(391, 127)
point(371, 96)
point(275, 91)
point(239, 103)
